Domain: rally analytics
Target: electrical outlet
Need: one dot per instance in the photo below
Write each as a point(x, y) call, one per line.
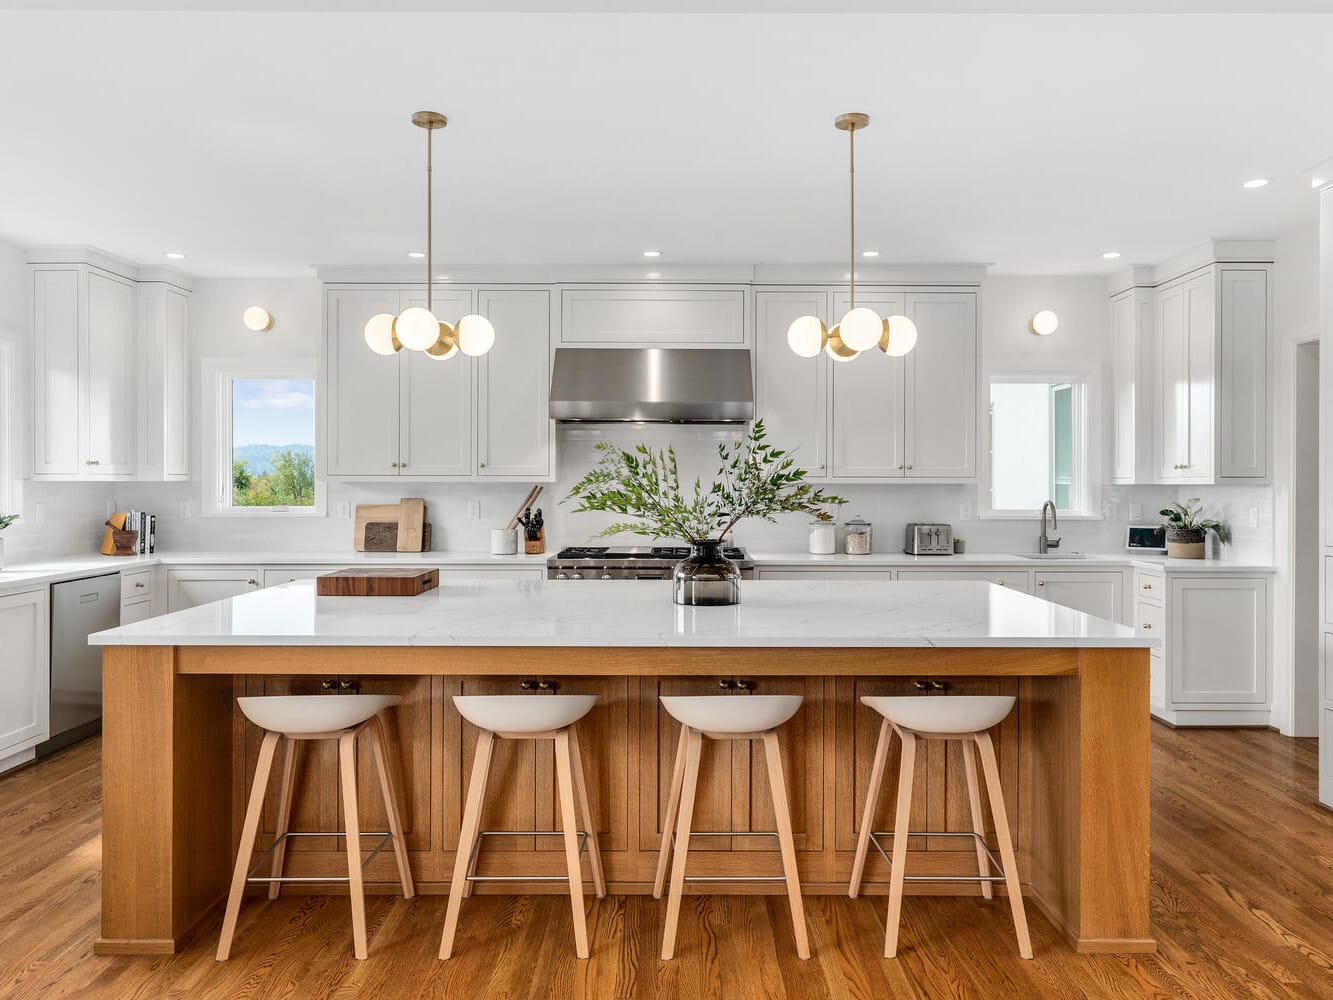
point(474, 510)
point(965, 510)
point(344, 509)
point(185, 510)
point(1254, 517)
point(39, 513)
point(1135, 511)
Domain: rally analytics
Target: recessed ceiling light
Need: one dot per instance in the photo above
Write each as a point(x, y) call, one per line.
point(652, 253)
point(174, 255)
point(416, 254)
point(1258, 182)
point(1111, 255)
point(869, 253)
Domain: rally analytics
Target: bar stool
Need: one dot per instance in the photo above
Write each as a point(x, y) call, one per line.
point(528, 717)
point(755, 717)
point(964, 719)
point(298, 718)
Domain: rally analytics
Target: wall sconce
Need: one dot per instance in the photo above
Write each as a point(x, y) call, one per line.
point(1044, 323)
point(257, 318)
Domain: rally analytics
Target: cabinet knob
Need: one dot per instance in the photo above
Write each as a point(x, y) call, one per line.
point(724, 683)
point(139, 585)
point(1041, 583)
point(546, 685)
point(525, 685)
point(901, 467)
point(328, 683)
point(253, 583)
point(921, 685)
point(743, 685)
point(909, 468)
point(999, 583)
point(1147, 626)
point(483, 465)
point(93, 461)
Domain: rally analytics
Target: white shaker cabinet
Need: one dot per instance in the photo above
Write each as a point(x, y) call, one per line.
point(435, 435)
point(1100, 593)
point(1186, 373)
point(514, 385)
point(25, 673)
point(362, 387)
point(1132, 386)
point(1013, 579)
point(940, 429)
point(85, 415)
point(188, 588)
point(164, 405)
point(1243, 370)
point(869, 401)
point(791, 393)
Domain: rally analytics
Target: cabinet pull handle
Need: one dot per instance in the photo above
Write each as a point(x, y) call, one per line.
point(525, 685)
point(921, 685)
point(546, 685)
point(483, 465)
point(744, 685)
point(909, 468)
point(139, 585)
point(724, 683)
point(93, 461)
point(253, 583)
point(939, 685)
point(1147, 626)
point(328, 683)
point(1041, 583)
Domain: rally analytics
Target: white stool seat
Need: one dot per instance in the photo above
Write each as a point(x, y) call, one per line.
point(302, 714)
point(962, 713)
point(756, 713)
point(523, 713)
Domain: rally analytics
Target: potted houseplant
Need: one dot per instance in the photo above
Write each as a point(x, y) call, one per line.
point(755, 479)
point(5, 521)
point(1187, 529)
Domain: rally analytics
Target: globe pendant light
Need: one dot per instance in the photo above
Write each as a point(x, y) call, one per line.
point(418, 328)
point(860, 328)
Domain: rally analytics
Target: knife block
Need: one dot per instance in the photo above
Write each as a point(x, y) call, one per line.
point(535, 546)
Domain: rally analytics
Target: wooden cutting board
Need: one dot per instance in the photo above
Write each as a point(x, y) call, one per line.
point(411, 517)
point(377, 581)
point(367, 512)
point(382, 536)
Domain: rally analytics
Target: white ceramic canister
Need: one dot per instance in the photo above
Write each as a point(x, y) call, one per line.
point(823, 538)
point(504, 541)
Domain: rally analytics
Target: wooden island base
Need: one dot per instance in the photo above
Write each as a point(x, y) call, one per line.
point(1074, 759)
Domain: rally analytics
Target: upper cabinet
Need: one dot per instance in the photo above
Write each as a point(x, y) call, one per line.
point(411, 416)
point(110, 373)
point(1191, 378)
point(791, 393)
point(869, 401)
point(653, 316)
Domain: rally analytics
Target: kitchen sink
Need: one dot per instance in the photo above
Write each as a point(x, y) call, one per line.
point(1051, 555)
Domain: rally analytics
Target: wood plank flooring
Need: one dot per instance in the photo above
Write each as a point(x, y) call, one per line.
point(1242, 895)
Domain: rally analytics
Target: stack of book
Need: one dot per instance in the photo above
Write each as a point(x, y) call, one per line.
point(146, 525)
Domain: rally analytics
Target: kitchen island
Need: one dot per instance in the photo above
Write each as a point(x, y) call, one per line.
point(1074, 755)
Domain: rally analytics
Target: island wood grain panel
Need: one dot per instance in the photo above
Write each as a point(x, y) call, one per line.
point(629, 746)
point(1243, 800)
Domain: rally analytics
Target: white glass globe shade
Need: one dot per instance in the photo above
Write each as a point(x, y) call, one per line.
point(836, 349)
point(807, 336)
point(417, 328)
point(446, 346)
point(861, 328)
point(257, 319)
point(475, 335)
point(379, 334)
point(1044, 323)
point(899, 336)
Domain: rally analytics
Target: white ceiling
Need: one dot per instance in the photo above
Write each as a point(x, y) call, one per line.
point(269, 143)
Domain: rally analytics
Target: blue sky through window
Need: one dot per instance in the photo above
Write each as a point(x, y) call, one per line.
point(272, 411)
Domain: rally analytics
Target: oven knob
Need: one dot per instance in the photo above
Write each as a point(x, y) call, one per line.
point(606, 576)
point(576, 576)
point(562, 576)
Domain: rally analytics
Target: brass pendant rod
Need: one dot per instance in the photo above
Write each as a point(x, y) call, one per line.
point(851, 270)
point(430, 235)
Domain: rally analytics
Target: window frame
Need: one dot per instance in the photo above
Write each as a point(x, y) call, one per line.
point(217, 376)
point(1087, 445)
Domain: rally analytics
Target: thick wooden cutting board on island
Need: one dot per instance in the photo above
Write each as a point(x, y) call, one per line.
point(377, 581)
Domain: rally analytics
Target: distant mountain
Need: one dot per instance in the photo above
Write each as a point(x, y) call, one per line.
point(258, 458)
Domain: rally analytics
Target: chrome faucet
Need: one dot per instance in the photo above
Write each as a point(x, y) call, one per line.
point(1044, 543)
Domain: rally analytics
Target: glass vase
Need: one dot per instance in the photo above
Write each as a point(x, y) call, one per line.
point(706, 578)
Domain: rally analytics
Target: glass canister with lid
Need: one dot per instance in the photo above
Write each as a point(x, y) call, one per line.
point(857, 539)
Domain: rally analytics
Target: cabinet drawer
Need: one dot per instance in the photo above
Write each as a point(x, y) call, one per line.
point(1013, 580)
point(1149, 586)
point(136, 585)
point(272, 576)
point(135, 611)
point(1150, 620)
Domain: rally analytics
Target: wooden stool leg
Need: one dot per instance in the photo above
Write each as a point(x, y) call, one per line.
point(901, 819)
point(380, 747)
point(997, 810)
point(872, 805)
point(352, 827)
point(978, 818)
point(669, 820)
point(564, 770)
point(247, 845)
point(693, 742)
point(476, 794)
point(589, 821)
point(782, 812)
point(285, 792)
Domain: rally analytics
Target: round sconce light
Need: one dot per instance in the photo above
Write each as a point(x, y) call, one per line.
point(1044, 323)
point(257, 318)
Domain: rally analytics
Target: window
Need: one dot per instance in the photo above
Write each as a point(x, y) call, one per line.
point(262, 459)
point(1039, 446)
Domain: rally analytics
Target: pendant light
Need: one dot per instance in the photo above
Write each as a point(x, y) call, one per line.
point(860, 328)
point(418, 328)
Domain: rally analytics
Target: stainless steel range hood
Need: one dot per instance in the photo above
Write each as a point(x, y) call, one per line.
point(653, 385)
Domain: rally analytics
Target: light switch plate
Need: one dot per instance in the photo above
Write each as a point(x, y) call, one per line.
point(344, 509)
point(186, 513)
point(965, 510)
point(1135, 511)
point(1254, 517)
point(39, 513)
point(474, 510)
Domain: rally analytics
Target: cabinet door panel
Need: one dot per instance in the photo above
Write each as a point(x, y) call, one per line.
point(189, 588)
point(868, 403)
point(675, 317)
point(1201, 317)
point(1124, 372)
point(941, 387)
point(57, 394)
point(1243, 434)
point(362, 409)
point(110, 413)
point(952, 811)
point(1097, 594)
point(136, 612)
point(1173, 384)
point(175, 404)
point(435, 435)
point(801, 742)
point(511, 790)
point(514, 385)
point(25, 682)
point(1219, 641)
point(791, 392)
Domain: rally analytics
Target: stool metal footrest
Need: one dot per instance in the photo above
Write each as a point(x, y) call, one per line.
point(995, 863)
point(472, 856)
point(250, 876)
point(730, 878)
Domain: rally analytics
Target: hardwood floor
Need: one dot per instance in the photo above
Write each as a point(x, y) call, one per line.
point(1242, 868)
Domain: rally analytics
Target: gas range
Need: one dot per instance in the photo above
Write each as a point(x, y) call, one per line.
point(604, 562)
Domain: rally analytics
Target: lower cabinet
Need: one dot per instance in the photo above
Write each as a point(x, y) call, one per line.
point(188, 588)
point(1013, 579)
point(1099, 593)
point(25, 675)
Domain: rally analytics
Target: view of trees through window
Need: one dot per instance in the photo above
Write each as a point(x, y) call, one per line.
point(273, 442)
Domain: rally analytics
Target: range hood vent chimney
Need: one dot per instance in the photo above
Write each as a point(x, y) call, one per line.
point(652, 385)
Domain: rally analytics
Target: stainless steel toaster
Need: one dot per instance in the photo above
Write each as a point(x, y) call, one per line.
point(928, 540)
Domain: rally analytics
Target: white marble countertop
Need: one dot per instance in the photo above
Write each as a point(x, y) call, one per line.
point(1009, 560)
point(817, 614)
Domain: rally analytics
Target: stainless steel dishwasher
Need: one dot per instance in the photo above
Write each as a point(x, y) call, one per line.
point(78, 608)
